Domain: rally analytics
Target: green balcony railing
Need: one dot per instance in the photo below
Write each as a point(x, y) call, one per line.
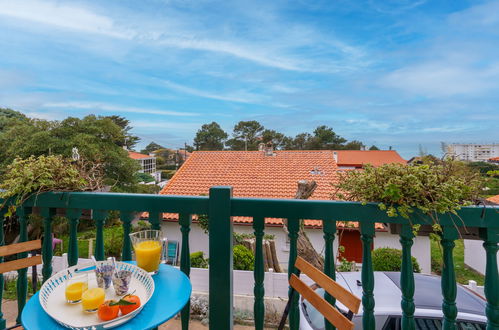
point(221, 206)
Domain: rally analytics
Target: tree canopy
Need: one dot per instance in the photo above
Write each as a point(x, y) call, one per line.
point(246, 135)
point(210, 137)
point(151, 147)
point(98, 139)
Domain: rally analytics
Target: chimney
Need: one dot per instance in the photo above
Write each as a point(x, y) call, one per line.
point(261, 146)
point(269, 149)
point(335, 156)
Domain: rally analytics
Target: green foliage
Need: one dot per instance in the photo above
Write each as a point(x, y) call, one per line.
point(240, 237)
point(243, 258)
point(39, 174)
point(141, 225)
point(198, 260)
point(346, 266)
point(151, 147)
point(400, 189)
point(463, 272)
point(483, 167)
point(246, 135)
point(210, 137)
point(494, 173)
point(99, 141)
point(144, 177)
point(167, 174)
point(390, 260)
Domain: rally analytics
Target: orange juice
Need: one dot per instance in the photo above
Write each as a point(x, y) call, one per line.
point(92, 299)
point(75, 290)
point(148, 254)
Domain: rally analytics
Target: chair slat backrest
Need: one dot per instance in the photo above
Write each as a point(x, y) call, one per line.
point(341, 294)
point(326, 309)
point(19, 248)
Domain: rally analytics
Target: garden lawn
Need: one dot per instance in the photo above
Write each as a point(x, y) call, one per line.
point(113, 240)
point(463, 272)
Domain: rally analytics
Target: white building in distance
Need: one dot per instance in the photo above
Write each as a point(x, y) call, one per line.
point(472, 152)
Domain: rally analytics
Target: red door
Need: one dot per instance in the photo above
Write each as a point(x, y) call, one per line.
point(350, 240)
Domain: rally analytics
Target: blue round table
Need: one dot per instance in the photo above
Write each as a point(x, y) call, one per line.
point(172, 291)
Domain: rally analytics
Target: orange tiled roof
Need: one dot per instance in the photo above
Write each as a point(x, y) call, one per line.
point(136, 155)
point(374, 157)
point(494, 158)
point(253, 174)
point(494, 199)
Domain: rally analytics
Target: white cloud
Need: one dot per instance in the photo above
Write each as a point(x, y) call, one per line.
point(115, 108)
point(176, 126)
point(239, 96)
point(443, 79)
point(62, 16)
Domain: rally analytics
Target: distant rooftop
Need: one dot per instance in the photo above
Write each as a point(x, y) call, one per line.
point(136, 155)
point(358, 158)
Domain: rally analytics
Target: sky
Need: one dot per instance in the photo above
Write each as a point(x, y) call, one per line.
point(402, 73)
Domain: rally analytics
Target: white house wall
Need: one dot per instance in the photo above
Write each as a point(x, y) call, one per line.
point(198, 241)
point(474, 255)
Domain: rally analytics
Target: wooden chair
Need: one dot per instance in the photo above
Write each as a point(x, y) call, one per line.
point(331, 313)
point(17, 264)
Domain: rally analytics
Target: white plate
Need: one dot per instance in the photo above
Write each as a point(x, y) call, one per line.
point(53, 299)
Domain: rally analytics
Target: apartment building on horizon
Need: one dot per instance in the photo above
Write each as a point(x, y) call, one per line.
point(472, 152)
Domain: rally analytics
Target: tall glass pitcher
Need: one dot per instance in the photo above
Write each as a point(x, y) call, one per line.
point(148, 246)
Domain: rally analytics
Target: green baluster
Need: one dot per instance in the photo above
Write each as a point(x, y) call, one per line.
point(185, 221)
point(100, 218)
point(329, 229)
point(367, 234)
point(448, 281)
point(22, 274)
point(221, 259)
point(47, 214)
point(294, 312)
point(155, 220)
point(126, 219)
point(2, 243)
point(259, 274)
point(74, 217)
point(407, 279)
point(491, 237)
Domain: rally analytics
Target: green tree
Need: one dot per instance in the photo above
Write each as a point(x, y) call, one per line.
point(301, 141)
point(151, 147)
point(373, 147)
point(353, 145)
point(279, 140)
point(246, 135)
point(99, 140)
point(325, 138)
point(129, 140)
point(9, 116)
point(210, 137)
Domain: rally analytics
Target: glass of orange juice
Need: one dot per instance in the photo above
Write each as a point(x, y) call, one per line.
point(76, 284)
point(148, 246)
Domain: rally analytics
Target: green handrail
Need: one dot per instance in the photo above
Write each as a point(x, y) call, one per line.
point(221, 206)
point(185, 221)
point(220, 264)
point(407, 279)
point(367, 276)
point(294, 313)
point(448, 280)
point(329, 229)
point(22, 274)
point(74, 217)
point(259, 273)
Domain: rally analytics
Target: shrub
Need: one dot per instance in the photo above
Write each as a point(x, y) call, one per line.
point(198, 260)
point(243, 258)
point(390, 260)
